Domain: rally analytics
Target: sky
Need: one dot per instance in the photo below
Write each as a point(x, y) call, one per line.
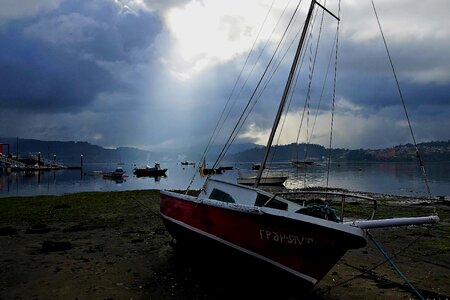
point(157, 74)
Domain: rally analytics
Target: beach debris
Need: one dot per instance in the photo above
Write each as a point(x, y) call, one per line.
point(50, 246)
point(96, 248)
point(38, 228)
point(8, 231)
point(75, 228)
point(61, 206)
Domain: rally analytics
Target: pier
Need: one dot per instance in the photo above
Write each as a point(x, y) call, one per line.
point(36, 162)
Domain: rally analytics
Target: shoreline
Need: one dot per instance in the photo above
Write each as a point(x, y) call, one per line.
point(113, 245)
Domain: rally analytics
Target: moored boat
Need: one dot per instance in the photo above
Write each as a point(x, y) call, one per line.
point(150, 171)
point(256, 167)
point(118, 173)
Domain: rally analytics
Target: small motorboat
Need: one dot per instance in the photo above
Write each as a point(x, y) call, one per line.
point(118, 173)
point(256, 167)
point(150, 171)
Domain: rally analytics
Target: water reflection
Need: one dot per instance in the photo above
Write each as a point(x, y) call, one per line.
point(389, 178)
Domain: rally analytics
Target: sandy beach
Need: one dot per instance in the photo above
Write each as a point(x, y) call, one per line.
point(113, 245)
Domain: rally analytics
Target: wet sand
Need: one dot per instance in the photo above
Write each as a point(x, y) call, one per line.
point(113, 245)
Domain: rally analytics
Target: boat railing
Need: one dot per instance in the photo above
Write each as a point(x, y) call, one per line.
point(325, 193)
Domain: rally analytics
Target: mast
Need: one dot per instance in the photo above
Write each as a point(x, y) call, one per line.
point(286, 91)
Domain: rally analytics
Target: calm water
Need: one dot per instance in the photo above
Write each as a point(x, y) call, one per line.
point(389, 178)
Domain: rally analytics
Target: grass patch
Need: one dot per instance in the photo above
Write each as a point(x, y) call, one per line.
point(96, 207)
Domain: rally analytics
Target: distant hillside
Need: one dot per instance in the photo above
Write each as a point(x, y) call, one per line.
point(280, 153)
point(70, 152)
point(430, 151)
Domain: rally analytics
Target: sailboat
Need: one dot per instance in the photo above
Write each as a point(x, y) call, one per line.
point(277, 232)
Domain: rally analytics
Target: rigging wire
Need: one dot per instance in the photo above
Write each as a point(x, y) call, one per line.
point(257, 59)
point(309, 84)
point(234, 131)
point(334, 92)
point(287, 89)
point(315, 58)
point(310, 76)
point(404, 105)
point(308, 99)
point(273, 70)
point(292, 91)
point(294, 87)
point(215, 131)
point(323, 88)
point(273, 73)
point(251, 72)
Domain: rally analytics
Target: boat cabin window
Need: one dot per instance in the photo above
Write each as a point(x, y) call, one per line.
point(221, 196)
point(274, 203)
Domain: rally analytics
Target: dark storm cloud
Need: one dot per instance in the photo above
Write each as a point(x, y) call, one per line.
point(58, 61)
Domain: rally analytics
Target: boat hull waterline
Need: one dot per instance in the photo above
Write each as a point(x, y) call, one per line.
point(300, 246)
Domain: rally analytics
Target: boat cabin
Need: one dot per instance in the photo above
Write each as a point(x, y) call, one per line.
point(248, 196)
point(251, 197)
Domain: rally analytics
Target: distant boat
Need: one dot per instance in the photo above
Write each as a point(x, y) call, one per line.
point(302, 163)
point(93, 173)
point(209, 171)
point(187, 163)
point(256, 166)
point(118, 173)
point(226, 168)
point(150, 171)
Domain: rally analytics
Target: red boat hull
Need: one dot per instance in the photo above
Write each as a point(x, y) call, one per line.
point(303, 249)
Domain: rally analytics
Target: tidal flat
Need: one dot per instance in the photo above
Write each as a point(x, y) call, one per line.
point(113, 245)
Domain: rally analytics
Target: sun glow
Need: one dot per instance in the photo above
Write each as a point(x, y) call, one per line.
point(210, 32)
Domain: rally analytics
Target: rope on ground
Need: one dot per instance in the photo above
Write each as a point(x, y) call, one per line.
point(385, 254)
point(148, 208)
point(380, 264)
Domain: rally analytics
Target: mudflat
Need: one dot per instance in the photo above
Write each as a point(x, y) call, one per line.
point(113, 245)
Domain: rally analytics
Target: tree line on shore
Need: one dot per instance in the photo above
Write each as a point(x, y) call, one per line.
point(70, 151)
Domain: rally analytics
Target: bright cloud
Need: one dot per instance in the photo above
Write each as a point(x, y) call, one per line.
point(210, 32)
